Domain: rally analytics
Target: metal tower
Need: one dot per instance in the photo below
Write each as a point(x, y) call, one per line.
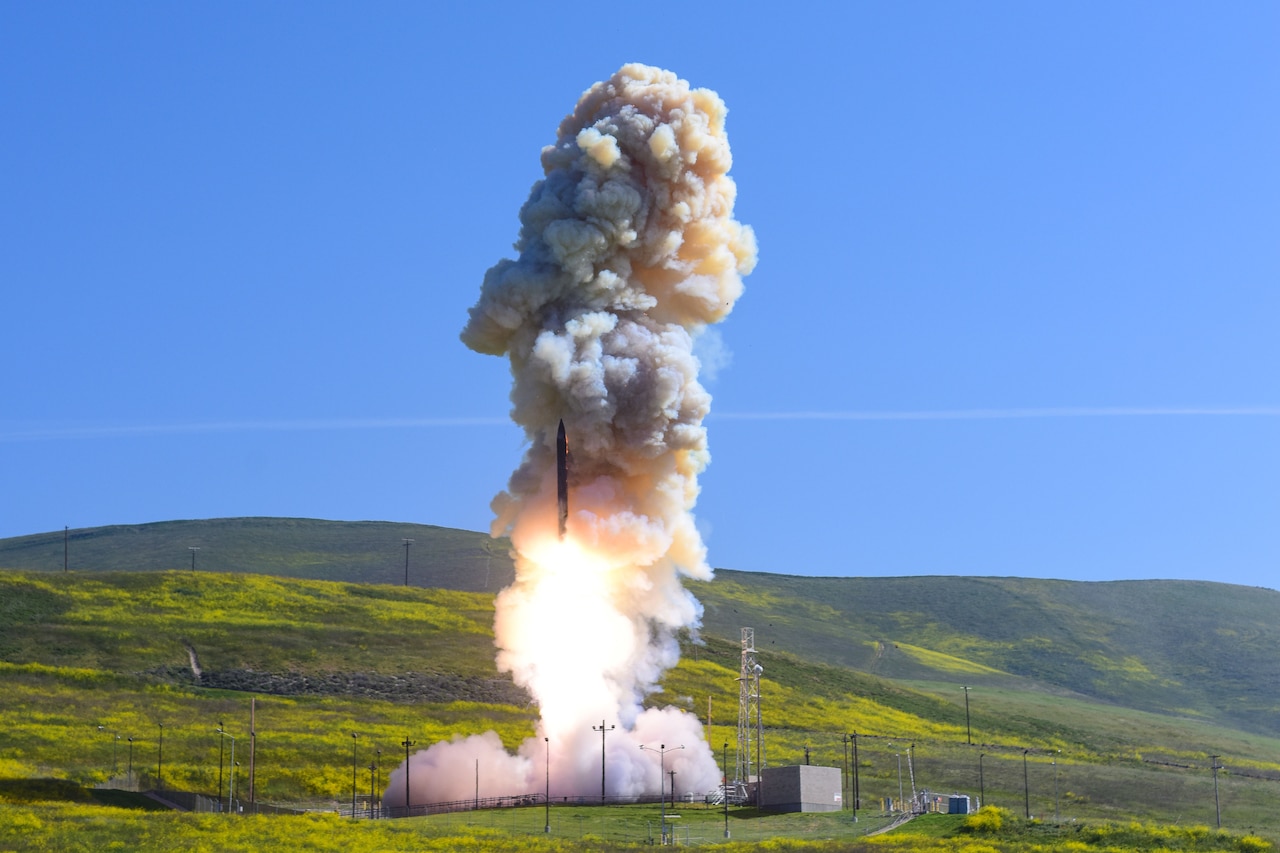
point(750, 731)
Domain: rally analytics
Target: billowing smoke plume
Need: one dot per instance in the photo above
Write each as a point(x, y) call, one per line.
point(628, 250)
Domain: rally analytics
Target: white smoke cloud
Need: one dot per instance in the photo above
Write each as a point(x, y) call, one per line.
point(628, 251)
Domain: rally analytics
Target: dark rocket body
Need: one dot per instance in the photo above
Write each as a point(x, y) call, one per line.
point(562, 476)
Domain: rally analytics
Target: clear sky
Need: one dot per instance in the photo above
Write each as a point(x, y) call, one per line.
point(1015, 311)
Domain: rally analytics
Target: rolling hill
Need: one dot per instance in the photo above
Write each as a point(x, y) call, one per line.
point(1198, 649)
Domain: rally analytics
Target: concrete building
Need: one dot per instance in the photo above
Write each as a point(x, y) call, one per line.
point(801, 788)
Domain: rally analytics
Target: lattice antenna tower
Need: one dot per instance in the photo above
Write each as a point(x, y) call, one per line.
point(750, 730)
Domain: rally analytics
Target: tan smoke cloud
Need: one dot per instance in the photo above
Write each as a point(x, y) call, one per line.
point(628, 251)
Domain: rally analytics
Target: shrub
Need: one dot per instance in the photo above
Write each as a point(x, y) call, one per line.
point(988, 819)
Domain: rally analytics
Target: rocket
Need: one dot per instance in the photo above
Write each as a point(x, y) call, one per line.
point(562, 476)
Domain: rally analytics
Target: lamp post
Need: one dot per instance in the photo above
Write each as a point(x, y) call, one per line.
point(968, 732)
point(724, 789)
point(662, 751)
point(129, 776)
point(603, 731)
point(373, 765)
point(231, 789)
point(407, 543)
point(354, 735)
point(406, 743)
point(221, 735)
point(547, 795)
point(160, 760)
point(377, 760)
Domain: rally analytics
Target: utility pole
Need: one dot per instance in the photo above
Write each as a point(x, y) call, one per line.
point(1026, 787)
point(982, 786)
point(160, 761)
point(407, 543)
point(857, 789)
point(603, 731)
point(193, 549)
point(66, 532)
point(1217, 805)
point(253, 752)
point(844, 768)
point(968, 732)
point(406, 743)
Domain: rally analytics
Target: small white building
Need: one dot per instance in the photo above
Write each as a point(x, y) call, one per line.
point(801, 788)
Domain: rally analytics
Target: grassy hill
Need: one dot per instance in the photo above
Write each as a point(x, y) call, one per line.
point(354, 551)
point(1205, 650)
point(1197, 649)
point(1097, 700)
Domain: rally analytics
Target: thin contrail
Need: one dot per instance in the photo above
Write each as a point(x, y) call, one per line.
point(335, 424)
point(1004, 414)
point(346, 424)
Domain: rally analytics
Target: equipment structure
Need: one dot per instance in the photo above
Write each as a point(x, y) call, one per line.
point(750, 731)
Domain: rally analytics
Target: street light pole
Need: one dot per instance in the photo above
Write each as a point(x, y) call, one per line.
point(221, 735)
point(982, 787)
point(160, 761)
point(547, 794)
point(662, 751)
point(724, 788)
point(407, 543)
point(129, 777)
point(603, 731)
point(354, 735)
point(231, 790)
point(231, 785)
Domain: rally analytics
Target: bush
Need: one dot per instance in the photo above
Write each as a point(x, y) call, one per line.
point(988, 819)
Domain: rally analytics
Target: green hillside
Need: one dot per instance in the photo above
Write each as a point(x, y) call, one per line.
point(1197, 649)
point(1205, 650)
point(355, 551)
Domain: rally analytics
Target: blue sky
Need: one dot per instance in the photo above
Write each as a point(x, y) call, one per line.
point(1015, 310)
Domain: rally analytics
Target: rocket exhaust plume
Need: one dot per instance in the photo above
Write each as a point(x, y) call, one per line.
point(628, 251)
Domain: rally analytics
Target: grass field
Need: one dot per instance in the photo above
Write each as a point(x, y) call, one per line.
point(78, 827)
